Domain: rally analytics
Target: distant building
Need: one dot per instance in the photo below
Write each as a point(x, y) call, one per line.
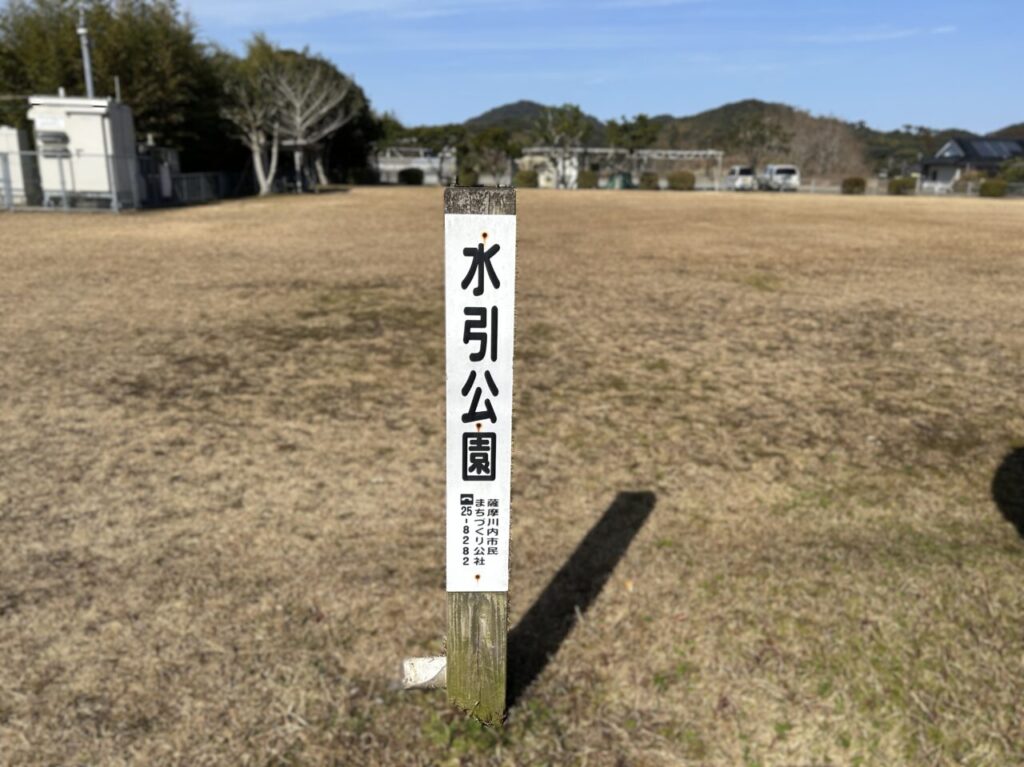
point(436, 168)
point(617, 168)
point(964, 154)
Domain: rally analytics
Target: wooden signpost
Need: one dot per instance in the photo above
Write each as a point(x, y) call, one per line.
point(480, 249)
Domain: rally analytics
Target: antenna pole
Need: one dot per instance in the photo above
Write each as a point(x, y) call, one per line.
point(83, 36)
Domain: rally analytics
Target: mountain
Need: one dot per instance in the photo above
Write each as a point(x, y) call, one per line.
point(519, 117)
point(821, 145)
point(1010, 131)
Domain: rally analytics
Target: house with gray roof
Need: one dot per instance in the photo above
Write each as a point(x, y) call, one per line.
point(967, 153)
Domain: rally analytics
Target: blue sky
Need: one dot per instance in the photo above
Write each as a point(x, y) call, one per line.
point(939, 63)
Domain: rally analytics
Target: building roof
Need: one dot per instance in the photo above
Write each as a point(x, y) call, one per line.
point(969, 150)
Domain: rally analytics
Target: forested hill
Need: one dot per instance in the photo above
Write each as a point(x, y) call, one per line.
point(827, 144)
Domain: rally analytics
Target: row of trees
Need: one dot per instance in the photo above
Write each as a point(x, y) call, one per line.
point(227, 111)
point(560, 130)
point(221, 110)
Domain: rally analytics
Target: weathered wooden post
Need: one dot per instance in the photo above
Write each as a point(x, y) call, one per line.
point(480, 249)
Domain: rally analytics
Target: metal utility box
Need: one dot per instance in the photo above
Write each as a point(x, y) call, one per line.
point(86, 151)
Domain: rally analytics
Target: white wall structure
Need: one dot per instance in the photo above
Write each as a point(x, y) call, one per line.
point(560, 167)
point(437, 168)
point(13, 143)
point(86, 151)
point(553, 167)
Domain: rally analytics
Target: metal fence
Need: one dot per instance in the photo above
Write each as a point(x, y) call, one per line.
point(66, 181)
point(63, 180)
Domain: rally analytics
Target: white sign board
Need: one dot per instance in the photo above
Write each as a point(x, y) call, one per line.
point(480, 283)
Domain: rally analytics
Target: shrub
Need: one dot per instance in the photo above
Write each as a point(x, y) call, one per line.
point(993, 187)
point(1013, 172)
point(410, 177)
point(904, 185)
point(587, 179)
point(854, 185)
point(468, 178)
point(526, 179)
point(649, 180)
point(682, 181)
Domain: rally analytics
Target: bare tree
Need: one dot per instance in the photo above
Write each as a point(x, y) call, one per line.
point(757, 135)
point(253, 112)
point(313, 103)
point(562, 129)
point(491, 151)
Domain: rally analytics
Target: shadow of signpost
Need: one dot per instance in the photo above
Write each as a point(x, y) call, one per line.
point(1008, 489)
point(537, 637)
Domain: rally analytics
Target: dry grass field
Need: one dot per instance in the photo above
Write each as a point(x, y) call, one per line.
point(221, 482)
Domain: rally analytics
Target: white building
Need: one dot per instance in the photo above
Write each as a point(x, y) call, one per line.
point(86, 151)
point(555, 168)
point(436, 168)
point(559, 167)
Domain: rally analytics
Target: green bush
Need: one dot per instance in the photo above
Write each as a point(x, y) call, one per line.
point(526, 179)
point(993, 187)
point(410, 177)
point(854, 185)
point(682, 181)
point(1013, 172)
point(468, 178)
point(904, 185)
point(649, 180)
point(587, 179)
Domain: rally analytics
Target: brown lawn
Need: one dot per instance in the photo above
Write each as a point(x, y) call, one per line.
point(221, 481)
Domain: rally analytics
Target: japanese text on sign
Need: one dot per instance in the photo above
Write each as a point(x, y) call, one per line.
point(479, 325)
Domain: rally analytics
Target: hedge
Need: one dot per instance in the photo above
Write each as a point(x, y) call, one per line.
point(902, 185)
point(682, 181)
point(649, 180)
point(410, 177)
point(854, 185)
point(526, 179)
point(993, 187)
point(587, 179)
point(468, 178)
point(1013, 171)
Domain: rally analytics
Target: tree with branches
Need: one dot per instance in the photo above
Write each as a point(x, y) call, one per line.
point(253, 110)
point(313, 102)
point(630, 135)
point(491, 150)
point(757, 135)
point(562, 129)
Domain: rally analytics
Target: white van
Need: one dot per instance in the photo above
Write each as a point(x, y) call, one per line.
point(781, 178)
point(740, 178)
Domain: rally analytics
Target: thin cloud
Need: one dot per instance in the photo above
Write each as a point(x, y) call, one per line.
point(875, 35)
point(647, 3)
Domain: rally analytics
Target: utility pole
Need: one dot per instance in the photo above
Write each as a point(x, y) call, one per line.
point(83, 36)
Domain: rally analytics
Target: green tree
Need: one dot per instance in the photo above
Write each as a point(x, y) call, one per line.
point(630, 135)
point(169, 78)
point(639, 133)
point(1013, 171)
